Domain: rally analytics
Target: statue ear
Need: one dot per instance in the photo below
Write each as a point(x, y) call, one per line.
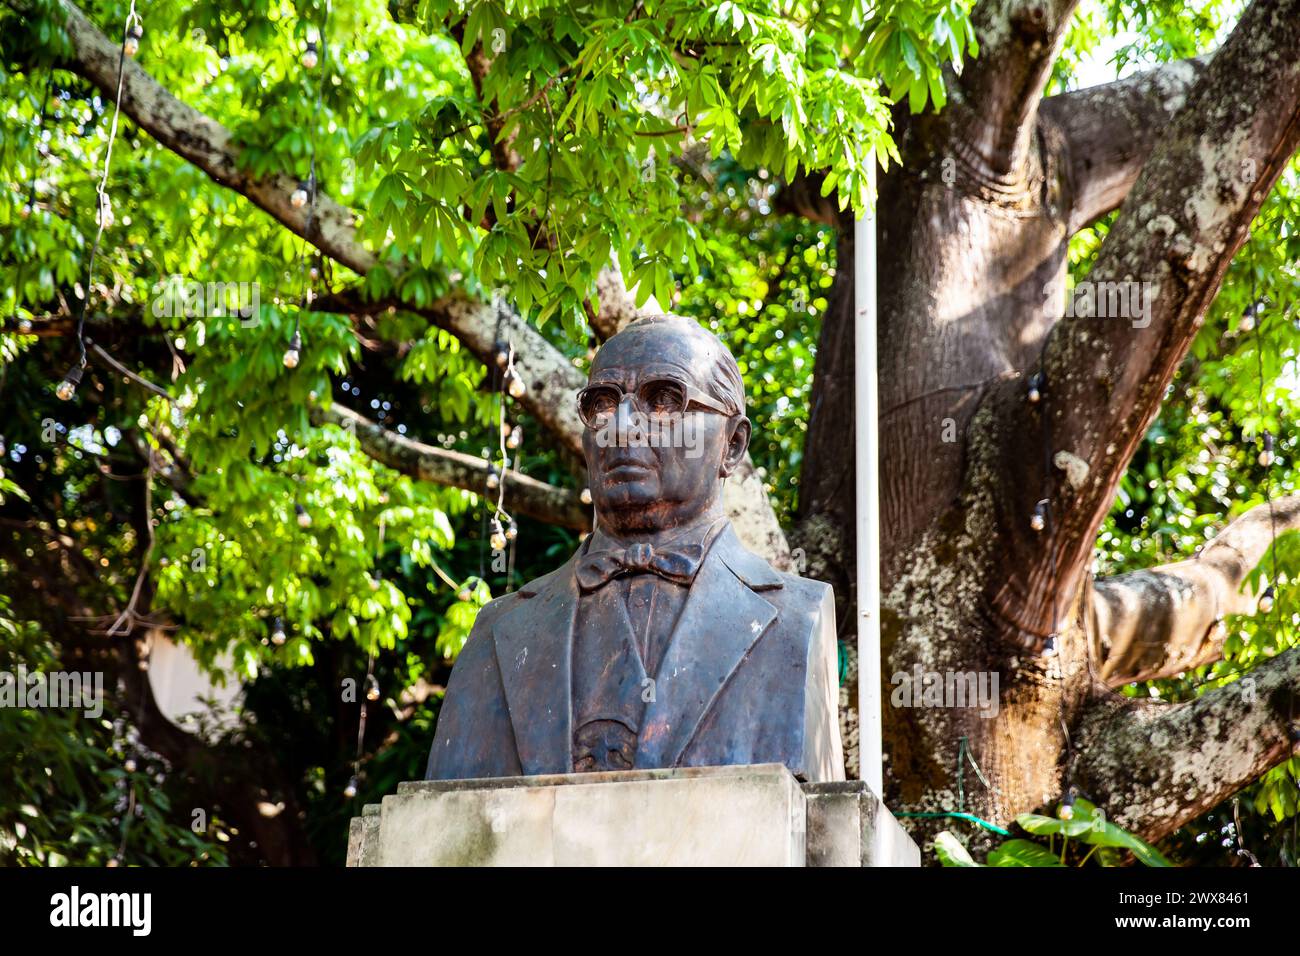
point(737, 444)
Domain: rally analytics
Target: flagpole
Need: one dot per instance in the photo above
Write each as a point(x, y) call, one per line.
point(866, 416)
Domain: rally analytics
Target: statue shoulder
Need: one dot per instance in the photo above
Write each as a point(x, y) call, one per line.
point(805, 594)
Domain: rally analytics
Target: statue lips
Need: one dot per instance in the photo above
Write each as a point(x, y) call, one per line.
point(625, 468)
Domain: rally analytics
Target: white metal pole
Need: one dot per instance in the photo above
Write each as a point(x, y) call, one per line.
point(866, 416)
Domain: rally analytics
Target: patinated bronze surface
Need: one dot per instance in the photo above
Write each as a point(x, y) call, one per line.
point(662, 642)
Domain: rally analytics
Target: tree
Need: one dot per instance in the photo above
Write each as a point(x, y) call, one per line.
point(580, 159)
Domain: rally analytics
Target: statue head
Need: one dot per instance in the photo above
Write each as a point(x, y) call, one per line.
point(664, 411)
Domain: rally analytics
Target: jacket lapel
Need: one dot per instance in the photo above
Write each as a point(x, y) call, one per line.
point(722, 619)
point(534, 644)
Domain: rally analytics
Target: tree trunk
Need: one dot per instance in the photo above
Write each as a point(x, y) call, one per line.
point(973, 234)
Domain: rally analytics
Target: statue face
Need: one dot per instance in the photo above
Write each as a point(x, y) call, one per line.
point(657, 442)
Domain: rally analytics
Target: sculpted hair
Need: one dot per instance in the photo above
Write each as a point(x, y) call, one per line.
point(722, 379)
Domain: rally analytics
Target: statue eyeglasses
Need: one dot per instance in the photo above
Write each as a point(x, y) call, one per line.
point(656, 397)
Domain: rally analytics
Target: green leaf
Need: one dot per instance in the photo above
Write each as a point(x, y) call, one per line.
point(951, 852)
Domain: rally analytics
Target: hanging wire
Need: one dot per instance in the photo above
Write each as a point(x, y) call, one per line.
point(306, 283)
point(103, 209)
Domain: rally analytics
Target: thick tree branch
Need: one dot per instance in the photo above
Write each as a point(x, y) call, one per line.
point(1154, 767)
point(996, 99)
point(1106, 373)
point(1159, 622)
point(524, 495)
point(552, 380)
point(1108, 132)
point(209, 146)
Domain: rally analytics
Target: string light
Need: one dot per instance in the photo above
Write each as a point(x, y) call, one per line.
point(304, 519)
point(278, 637)
point(105, 216)
point(515, 385)
point(298, 198)
point(68, 387)
point(131, 45)
point(1266, 600)
point(1037, 384)
point(464, 594)
point(1266, 453)
point(1067, 805)
point(1038, 521)
point(133, 28)
point(516, 437)
point(309, 56)
point(493, 481)
point(512, 530)
point(498, 538)
point(372, 687)
point(585, 496)
point(502, 355)
point(350, 790)
point(293, 354)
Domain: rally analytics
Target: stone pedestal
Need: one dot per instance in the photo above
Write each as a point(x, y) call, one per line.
point(697, 816)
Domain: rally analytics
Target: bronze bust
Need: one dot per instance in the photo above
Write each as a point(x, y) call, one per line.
point(662, 642)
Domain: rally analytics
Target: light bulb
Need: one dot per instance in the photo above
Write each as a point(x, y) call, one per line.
point(502, 354)
point(1266, 600)
point(585, 496)
point(105, 212)
point(498, 536)
point(1035, 393)
point(293, 353)
point(309, 56)
point(464, 594)
point(372, 688)
point(1266, 455)
point(26, 210)
point(512, 530)
point(350, 790)
point(68, 387)
point(24, 325)
point(298, 198)
point(493, 479)
point(516, 437)
point(516, 388)
point(1039, 519)
point(304, 519)
point(130, 765)
point(131, 46)
point(278, 636)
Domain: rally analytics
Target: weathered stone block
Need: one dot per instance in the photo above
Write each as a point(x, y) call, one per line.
point(698, 816)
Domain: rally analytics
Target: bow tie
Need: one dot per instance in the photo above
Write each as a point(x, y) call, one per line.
point(677, 565)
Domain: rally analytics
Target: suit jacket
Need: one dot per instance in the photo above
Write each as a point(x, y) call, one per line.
point(749, 676)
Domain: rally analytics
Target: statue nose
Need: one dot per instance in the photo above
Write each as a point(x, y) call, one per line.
point(623, 419)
